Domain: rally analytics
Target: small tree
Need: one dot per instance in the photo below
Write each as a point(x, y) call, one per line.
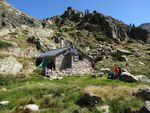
point(87, 12)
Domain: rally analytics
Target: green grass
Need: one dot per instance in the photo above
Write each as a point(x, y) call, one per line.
point(13, 33)
point(118, 105)
point(4, 44)
point(64, 94)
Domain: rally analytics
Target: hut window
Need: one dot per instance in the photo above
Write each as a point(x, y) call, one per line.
point(74, 51)
point(76, 58)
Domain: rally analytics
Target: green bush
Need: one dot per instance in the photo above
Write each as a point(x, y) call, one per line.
point(10, 79)
point(13, 33)
point(130, 40)
point(4, 44)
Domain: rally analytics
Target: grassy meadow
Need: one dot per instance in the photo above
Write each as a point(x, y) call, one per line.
point(54, 96)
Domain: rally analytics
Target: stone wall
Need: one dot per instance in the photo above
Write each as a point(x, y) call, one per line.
point(80, 67)
point(63, 61)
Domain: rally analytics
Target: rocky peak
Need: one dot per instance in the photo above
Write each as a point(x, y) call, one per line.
point(73, 14)
point(106, 26)
point(111, 27)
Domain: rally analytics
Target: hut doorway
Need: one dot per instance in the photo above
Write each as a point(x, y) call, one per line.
point(51, 64)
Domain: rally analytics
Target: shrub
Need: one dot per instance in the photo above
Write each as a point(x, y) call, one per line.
point(13, 33)
point(10, 79)
point(4, 44)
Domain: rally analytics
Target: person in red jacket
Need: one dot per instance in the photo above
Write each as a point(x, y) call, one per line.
point(116, 71)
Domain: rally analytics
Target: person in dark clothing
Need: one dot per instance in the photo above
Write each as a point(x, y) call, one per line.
point(120, 71)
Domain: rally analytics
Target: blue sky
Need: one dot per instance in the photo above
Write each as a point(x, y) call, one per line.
point(128, 11)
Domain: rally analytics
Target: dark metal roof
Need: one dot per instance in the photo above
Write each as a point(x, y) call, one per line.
point(53, 52)
point(58, 51)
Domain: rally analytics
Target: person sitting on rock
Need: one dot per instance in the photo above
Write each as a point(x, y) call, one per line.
point(116, 71)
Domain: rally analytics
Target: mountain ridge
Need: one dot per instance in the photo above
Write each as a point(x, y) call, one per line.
point(106, 25)
point(145, 26)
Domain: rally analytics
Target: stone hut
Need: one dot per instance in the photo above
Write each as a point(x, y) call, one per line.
point(65, 61)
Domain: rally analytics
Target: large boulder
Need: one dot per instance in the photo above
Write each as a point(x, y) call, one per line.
point(16, 51)
point(4, 32)
point(32, 107)
point(123, 52)
point(145, 108)
point(10, 65)
point(120, 54)
point(91, 99)
point(39, 37)
point(41, 33)
point(143, 78)
point(106, 70)
point(4, 103)
point(143, 94)
point(128, 77)
point(104, 108)
point(124, 58)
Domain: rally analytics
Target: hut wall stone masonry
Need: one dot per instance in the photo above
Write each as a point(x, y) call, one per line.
point(77, 67)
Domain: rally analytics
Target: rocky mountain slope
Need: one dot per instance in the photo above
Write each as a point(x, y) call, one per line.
point(94, 32)
point(17, 51)
point(11, 17)
point(99, 25)
point(23, 37)
point(145, 26)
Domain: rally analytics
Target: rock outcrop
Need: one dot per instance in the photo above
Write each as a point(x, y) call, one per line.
point(11, 17)
point(127, 77)
point(145, 108)
point(32, 107)
point(10, 65)
point(143, 78)
point(139, 34)
point(144, 94)
point(145, 26)
point(4, 103)
point(90, 21)
point(103, 26)
point(91, 99)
